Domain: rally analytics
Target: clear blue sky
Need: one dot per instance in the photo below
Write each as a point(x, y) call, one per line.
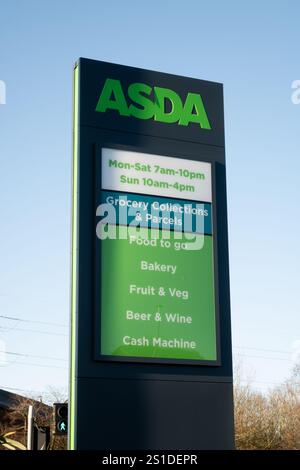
point(252, 47)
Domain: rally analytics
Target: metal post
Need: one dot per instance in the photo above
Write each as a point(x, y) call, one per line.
point(30, 428)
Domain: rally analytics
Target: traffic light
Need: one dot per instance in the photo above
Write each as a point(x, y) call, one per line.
point(60, 418)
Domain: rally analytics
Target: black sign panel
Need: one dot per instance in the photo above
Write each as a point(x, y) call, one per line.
point(94, 76)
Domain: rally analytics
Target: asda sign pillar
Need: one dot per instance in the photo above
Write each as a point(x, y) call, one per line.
point(150, 349)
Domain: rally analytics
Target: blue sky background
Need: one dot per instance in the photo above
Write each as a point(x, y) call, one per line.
point(252, 47)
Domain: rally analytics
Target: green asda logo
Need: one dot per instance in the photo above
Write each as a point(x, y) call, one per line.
point(192, 110)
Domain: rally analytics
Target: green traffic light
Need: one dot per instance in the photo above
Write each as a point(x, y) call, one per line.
point(62, 426)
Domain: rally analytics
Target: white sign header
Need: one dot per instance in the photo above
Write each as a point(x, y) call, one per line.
point(143, 173)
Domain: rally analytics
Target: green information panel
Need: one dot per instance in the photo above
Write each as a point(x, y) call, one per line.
point(158, 299)
point(156, 259)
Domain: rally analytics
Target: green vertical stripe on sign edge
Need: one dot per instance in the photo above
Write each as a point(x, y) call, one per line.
point(73, 339)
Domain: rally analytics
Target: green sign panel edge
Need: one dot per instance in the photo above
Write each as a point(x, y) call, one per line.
point(74, 234)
